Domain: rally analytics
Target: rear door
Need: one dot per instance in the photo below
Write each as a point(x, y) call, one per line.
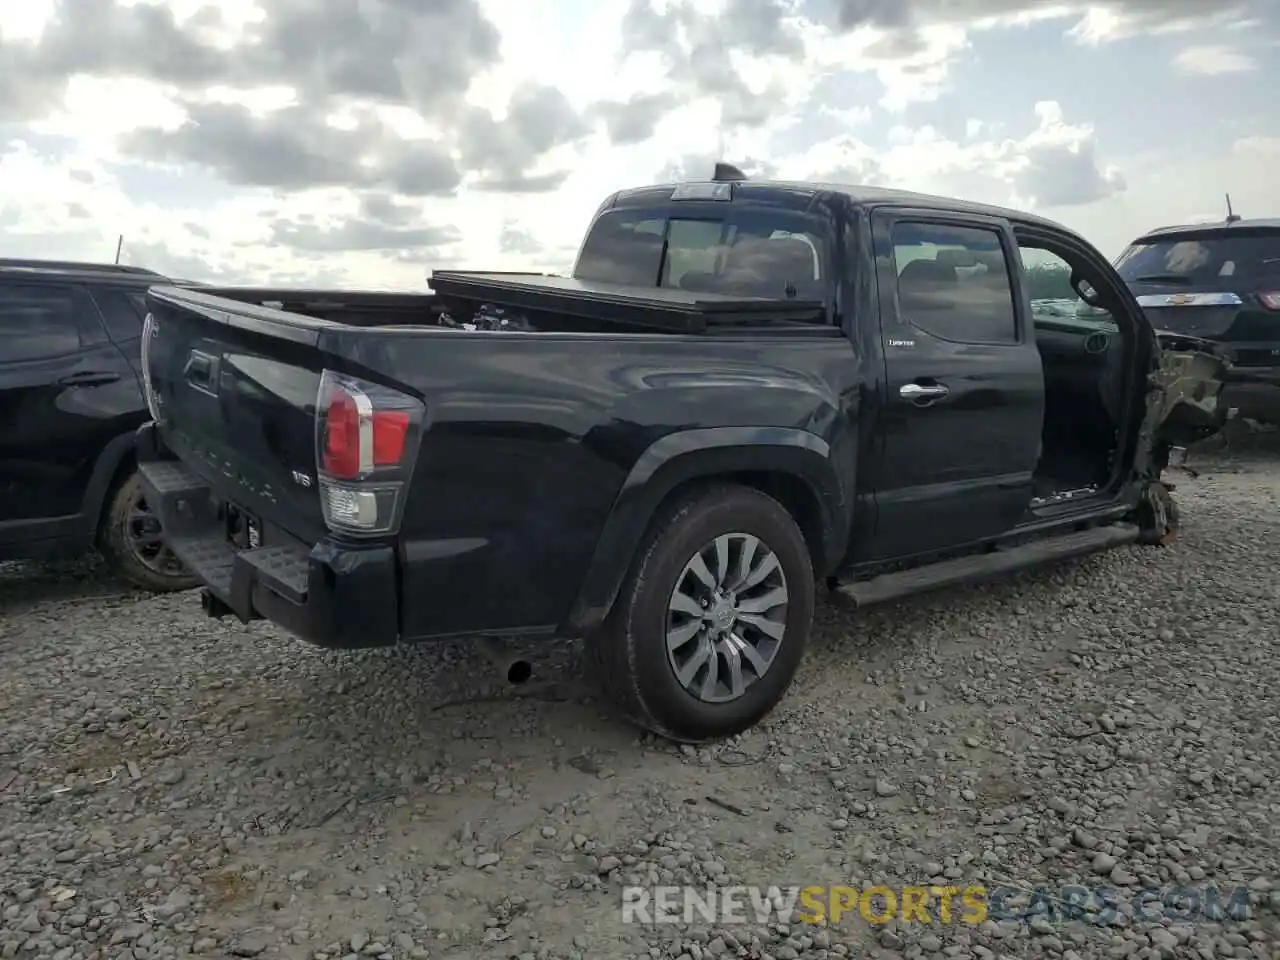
point(64, 393)
point(958, 438)
point(1219, 283)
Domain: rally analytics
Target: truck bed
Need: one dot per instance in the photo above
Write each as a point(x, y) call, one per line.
point(545, 303)
point(360, 308)
point(653, 308)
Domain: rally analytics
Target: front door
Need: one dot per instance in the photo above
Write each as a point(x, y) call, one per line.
point(959, 434)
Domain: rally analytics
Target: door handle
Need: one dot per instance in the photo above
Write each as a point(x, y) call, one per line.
point(922, 393)
point(89, 378)
point(201, 370)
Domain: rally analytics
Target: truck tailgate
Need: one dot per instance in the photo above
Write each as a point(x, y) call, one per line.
point(261, 453)
point(235, 394)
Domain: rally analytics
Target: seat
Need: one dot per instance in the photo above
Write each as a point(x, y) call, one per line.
point(767, 267)
point(927, 285)
point(613, 252)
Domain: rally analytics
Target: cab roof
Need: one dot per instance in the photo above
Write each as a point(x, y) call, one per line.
point(805, 195)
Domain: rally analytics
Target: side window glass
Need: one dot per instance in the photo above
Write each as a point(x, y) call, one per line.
point(38, 322)
point(121, 313)
point(1048, 278)
point(953, 282)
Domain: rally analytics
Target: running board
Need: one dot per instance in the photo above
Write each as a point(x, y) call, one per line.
point(983, 566)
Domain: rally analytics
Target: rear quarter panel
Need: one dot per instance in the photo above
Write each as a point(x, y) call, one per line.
point(531, 439)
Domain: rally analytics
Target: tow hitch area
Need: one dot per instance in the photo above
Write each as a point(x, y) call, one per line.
point(1185, 404)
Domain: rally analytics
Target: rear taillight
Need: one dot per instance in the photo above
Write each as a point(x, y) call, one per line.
point(1270, 299)
point(366, 440)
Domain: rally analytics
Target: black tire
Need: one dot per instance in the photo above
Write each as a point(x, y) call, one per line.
point(125, 555)
point(629, 653)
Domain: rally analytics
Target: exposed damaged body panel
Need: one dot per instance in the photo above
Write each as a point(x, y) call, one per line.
point(1186, 404)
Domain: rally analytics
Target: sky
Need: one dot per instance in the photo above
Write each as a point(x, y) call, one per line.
point(363, 143)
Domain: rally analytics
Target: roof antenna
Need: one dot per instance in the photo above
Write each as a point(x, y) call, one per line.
point(1232, 216)
point(727, 172)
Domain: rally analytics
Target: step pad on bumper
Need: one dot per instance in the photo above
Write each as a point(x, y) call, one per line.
point(333, 594)
point(195, 531)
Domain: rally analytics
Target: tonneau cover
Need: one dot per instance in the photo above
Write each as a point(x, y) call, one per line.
point(659, 308)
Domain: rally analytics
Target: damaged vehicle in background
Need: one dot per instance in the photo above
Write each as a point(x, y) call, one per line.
point(745, 391)
point(1218, 282)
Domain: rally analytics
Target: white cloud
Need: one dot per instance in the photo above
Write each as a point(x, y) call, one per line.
point(1053, 165)
point(1214, 59)
point(914, 72)
point(1107, 24)
point(25, 21)
point(1264, 146)
point(276, 192)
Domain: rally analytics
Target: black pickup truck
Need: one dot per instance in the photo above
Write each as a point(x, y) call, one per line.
point(744, 389)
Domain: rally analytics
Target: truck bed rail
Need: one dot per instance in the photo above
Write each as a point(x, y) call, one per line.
point(656, 308)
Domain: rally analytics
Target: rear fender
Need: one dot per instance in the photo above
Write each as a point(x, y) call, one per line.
point(682, 458)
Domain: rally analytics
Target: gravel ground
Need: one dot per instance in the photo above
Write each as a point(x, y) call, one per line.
point(170, 784)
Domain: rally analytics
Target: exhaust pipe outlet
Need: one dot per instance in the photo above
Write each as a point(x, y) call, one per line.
point(514, 669)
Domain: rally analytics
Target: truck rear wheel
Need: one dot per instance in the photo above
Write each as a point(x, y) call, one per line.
point(713, 618)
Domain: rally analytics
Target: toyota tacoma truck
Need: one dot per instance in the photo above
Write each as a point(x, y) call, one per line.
point(744, 393)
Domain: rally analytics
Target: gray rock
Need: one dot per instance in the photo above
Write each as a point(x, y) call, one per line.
point(249, 946)
point(309, 772)
point(1103, 863)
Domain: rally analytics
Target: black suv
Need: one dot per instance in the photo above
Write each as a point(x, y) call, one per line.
point(1220, 282)
point(71, 400)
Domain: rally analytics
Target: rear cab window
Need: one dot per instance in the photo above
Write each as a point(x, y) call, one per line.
point(1230, 258)
point(744, 251)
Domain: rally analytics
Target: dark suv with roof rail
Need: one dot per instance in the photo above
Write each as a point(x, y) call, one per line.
point(1219, 282)
point(71, 401)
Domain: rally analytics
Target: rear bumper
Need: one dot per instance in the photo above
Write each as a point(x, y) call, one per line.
point(326, 593)
point(1254, 392)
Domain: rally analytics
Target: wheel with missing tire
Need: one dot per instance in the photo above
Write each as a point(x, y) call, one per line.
point(133, 542)
point(1158, 516)
point(713, 618)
